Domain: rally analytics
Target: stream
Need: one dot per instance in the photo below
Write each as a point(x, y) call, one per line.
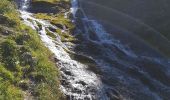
point(117, 72)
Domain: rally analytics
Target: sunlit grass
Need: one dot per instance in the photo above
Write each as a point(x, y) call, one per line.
point(16, 73)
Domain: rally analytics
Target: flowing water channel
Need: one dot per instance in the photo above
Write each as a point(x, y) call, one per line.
point(118, 72)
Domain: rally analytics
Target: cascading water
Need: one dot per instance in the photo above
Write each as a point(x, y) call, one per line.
point(76, 81)
point(122, 72)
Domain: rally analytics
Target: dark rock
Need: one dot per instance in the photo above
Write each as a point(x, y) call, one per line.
point(82, 82)
point(87, 98)
point(65, 83)
point(63, 4)
point(59, 26)
point(52, 29)
point(75, 90)
point(70, 97)
point(79, 13)
point(68, 73)
point(56, 59)
point(43, 7)
point(93, 36)
point(94, 48)
point(114, 95)
point(83, 59)
point(80, 25)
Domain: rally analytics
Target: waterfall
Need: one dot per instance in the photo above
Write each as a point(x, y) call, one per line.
point(123, 72)
point(24, 4)
point(76, 81)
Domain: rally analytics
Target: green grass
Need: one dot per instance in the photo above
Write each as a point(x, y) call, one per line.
point(56, 19)
point(24, 59)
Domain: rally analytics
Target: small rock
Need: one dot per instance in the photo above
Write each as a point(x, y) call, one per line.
point(82, 82)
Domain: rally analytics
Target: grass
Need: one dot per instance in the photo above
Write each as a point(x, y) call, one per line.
point(56, 19)
point(24, 60)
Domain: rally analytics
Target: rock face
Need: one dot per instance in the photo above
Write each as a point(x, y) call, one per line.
point(145, 19)
point(47, 7)
point(43, 7)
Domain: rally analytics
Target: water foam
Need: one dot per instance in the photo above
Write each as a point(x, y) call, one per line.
point(81, 83)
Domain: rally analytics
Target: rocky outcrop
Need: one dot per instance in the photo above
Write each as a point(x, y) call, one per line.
point(47, 7)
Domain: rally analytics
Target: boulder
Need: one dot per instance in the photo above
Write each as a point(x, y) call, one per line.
point(43, 7)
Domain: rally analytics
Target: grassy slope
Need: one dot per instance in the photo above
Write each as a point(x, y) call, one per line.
point(24, 60)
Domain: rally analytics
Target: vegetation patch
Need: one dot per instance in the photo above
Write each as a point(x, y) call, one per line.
point(26, 65)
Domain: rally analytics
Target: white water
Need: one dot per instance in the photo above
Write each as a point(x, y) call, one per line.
point(106, 38)
point(102, 35)
point(81, 83)
point(77, 81)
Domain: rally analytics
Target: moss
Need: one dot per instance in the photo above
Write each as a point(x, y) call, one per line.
point(65, 37)
point(6, 74)
point(9, 91)
point(59, 20)
point(51, 34)
point(56, 19)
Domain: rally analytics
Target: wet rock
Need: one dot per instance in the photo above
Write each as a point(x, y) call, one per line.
point(64, 4)
point(68, 73)
point(93, 36)
point(56, 59)
point(59, 26)
point(52, 29)
point(87, 98)
point(83, 59)
point(79, 13)
point(95, 68)
point(80, 25)
point(82, 82)
point(94, 48)
point(70, 97)
point(65, 83)
point(153, 68)
point(114, 95)
point(43, 7)
point(75, 90)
